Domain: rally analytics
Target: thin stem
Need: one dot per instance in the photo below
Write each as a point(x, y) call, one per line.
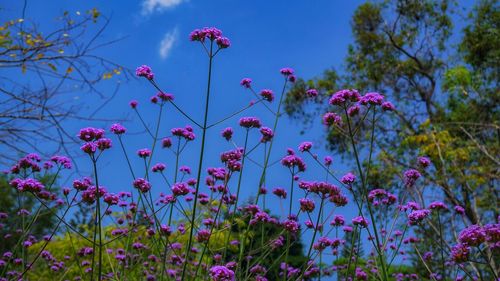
point(443, 268)
point(240, 177)
point(315, 228)
point(233, 114)
point(287, 249)
point(175, 105)
point(143, 123)
point(98, 224)
point(266, 162)
point(200, 164)
point(205, 246)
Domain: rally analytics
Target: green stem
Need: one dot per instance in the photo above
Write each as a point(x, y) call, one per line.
point(211, 228)
point(443, 268)
point(287, 249)
point(200, 164)
point(364, 190)
point(240, 177)
point(98, 224)
point(266, 162)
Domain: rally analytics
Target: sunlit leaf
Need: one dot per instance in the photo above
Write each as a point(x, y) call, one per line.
point(53, 67)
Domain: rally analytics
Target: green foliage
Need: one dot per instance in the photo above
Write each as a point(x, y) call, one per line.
point(481, 39)
point(457, 80)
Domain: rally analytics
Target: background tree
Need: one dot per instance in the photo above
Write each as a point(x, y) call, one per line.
point(42, 70)
point(446, 95)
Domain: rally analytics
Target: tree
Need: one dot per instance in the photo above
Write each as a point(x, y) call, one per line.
point(42, 69)
point(445, 92)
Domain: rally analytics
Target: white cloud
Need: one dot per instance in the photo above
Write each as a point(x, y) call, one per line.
point(151, 6)
point(167, 43)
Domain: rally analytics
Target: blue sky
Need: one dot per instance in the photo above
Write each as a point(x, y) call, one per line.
point(266, 36)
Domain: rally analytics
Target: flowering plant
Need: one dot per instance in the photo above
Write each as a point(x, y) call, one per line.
point(136, 236)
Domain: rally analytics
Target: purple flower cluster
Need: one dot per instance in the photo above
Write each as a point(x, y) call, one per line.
point(232, 159)
point(348, 178)
point(94, 140)
point(424, 162)
point(246, 82)
point(291, 226)
point(91, 194)
point(186, 133)
point(473, 235)
point(165, 96)
point(221, 273)
point(144, 152)
point(117, 129)
point(372, 98)
point(212, 34)
point(27, 185)
point(288, 73)
point(223, 42)
point(322, 188)
point(306, 205)
point(158, 167)
point(250, 122)
point(353, 110)
point(62, 161)
point(460, 253)
point(267, 134)
point(142, 184)
point(180, 189)
point(411, 176)
point(312, 93)
point(417, 216)
point(267, 94)
point(305, 146)
point(342, 96)
point(144, 71)
point(28, 162)
point(388, 106)
point(380, 196)
point(280, 192)
point(338, 220)
point(360, 221)
point(90, 134)
point(328, 160)
point(331, 118)
point(227, 133)
point(438, 205)
point(166, 142)
point(293, 161)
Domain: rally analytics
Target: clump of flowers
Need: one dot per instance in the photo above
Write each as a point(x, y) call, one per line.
point(144, 71)
point(195, 224)
point(221, 273)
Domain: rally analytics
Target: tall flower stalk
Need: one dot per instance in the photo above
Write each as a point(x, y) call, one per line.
point(202, 154)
